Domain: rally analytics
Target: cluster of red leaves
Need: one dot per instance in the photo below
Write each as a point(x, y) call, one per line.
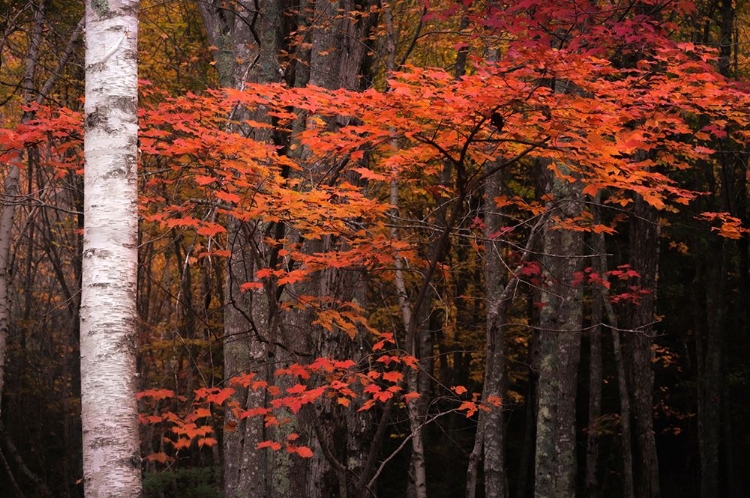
point(623, 273)
point(341, 381)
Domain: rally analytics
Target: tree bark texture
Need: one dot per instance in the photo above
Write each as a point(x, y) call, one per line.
point(337, 59)
point(111, 454)
point(560, 321)
point(338, 48)
point(249, 37)
point(493, 423)
point(258, 337)
point(245, 467)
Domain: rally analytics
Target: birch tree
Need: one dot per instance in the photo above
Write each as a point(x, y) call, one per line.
point(111, 458)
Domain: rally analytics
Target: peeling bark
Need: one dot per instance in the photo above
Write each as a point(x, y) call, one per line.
point(111, 453)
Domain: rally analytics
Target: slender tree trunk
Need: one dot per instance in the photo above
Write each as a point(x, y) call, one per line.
point(248, 37)
point(628, 487)
point(416, 381)
point(418, 477)
point(245, 350)
point(11, 193)
point(626, 436)
point(111, 454)
point(709, 351)
point(726, 30)
point(644, 254)
point(6, 228)
point(526, 460)
point(595, 370)
point(560, 321)
point(338, 55)
point(493, 423)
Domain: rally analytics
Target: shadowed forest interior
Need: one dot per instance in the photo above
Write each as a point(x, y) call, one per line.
point(406, 248)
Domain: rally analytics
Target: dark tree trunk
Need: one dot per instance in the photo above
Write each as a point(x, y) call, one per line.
point(248, 39)
point(709, 345)
point(493, 423)
point(595, 370)
point(644, 258)
point(560, 321)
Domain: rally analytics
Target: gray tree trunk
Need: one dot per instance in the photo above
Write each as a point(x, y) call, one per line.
point(493, 423)
point(257, 337)
point(337, 59)
point(249, 37)
point(560, 321)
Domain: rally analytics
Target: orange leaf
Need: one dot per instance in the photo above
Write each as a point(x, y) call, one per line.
point(251, 286)
point(227, 196)
point(204, 180)
point(211, 230)
point(304, 451)
point(296, 389)
point(393, 376)
point(201, 413)
point(253, 412)
point(207, 441)
point(269, 444)
point(368, 174)
point(181, 443)
point(494, 400)
point(242, 379)
point(471, 408)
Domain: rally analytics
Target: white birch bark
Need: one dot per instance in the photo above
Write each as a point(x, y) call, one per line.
point(111, 457)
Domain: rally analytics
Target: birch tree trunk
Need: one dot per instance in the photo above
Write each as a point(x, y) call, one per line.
point(111, 459)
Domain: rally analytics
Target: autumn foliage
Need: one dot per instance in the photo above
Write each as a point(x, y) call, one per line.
point(619, 130)
point(386, 185)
